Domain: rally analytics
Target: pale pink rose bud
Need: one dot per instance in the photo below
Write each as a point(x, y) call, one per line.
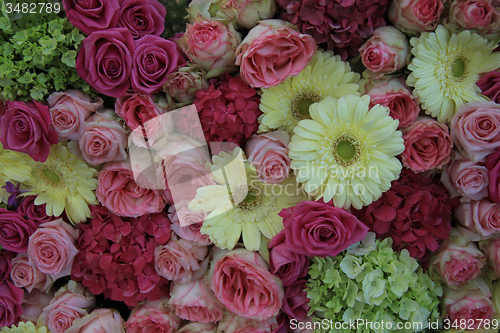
point(268, 152)
point(479, 220)
point(234, 324)
point(478, 16)
point(464, 178)
point(25, 275)
point(415, 16)
point(198, 328)
point(195, 301)
point(211, 45)
point(183, 84)
point(394, 94)
point(155, 316)
point(191, 232)
point(491, 249)
point(33, 304)
point(386, 51)
point(99, 321)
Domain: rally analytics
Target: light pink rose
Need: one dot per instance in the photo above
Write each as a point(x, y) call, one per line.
point(475, 129)
point(181, 261)
point(234, 324)
point(198, 328)
point(273, 51)
point(194, 301)
point(183, 84)
point(33, 304)
point(154, 316)
point(479, 16)
point(394, 94)
point(386, 51)
point(52, 248)
point(414, 16)
point(491, 249)
point(478, 220)
point(268, 152)
point(464, 178)
point(28, 276)
point(69, 110)
point(242, 282)
point(69, 303)
point(98, 321)
point(191, 232)
point(211, 45)
point(427, 145)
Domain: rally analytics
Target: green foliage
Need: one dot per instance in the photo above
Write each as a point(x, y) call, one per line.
point(176, 16)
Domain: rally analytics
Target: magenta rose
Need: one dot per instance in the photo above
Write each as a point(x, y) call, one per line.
point(98, 321)
point(479, 16)
point(194, 327)
point(69, 110)
point(10, 303)
point(52, 248)
point(287, 265)
point(464, 178)
point(105, 61)
point(25, 275)
point(394, 94)
point(5, 264)
point(319, 229)
point(415, 16)
point(493, 166)
point(195, 301)
point(191, 232)
point(120, 192)
point(490, 85)
point(268, 152)
point(475, 129)
point(37, 213)
point(234, 324)
point(427, 145)
point(25, 127)
point(491, 249)
point(478, 220)
point(154, 58)
point(295, 301)
point(153, 317)
point(142, 18)
point(273, 51)
point(69, 303)
point(15, 231)
point(242, 282)
point(90, 16)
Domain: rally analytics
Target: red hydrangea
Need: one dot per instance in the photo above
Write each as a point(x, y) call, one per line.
point(229, 110)
point(416, 212)
point(117, 256)
point(338, 25)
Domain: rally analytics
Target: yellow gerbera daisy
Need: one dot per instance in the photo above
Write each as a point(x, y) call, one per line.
point(239, 205)
point(346, 152)
point(64, 182)
point(14, 168)
point(284, 105)
point(446, 68)
point(27, 327)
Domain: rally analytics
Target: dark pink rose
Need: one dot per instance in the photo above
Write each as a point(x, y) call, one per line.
point(10, 303)
point(287, 265)
point(105, 61)
point(5, 264)
point(493, 166)
point(478, 220)
point(154, 58)
point(155, 316)
point(25, 127)
point(414, 16)
point(37, 213)
point(142, 18)
point(15, 231)
point(92, 15)
point(490, 85)
point(295, 301)
point(319, 229)
point(25, 275)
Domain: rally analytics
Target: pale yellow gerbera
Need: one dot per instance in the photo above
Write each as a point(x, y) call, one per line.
point(446, 68)
point(64, 183)
point(284, 105)
point(27, 327)
point(239, 205)
point(13, 168)
point(346, 152)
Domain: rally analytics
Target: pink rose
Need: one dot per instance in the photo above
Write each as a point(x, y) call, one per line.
point(480, 219)
point(273, 51)
point(33, 304)
point(457, 261)
point(295, 301)
point(153, 317)
point(427, 145)
point(118, 191)
point(37, 213)
point(191, 232)
point(268, 152)
point(464, 178)
point(386, 51)
point(137, 110)
point(25, 275)
point(90, 16)
point(98, 321)
point(15, 231)
point(195, 301)
point(475, 129)
point(234, 324)
point(490, 85)
point(242, 282)
point(493, 166)
point(25, 127)
point(10, 303)
point(69, 110)
point(319, 229)
point(394, 94)
point(181, 261)
point(142, 18)
point(69, 303)
point(183, 84)
point(479, 16)
point(211, 45)
point(414, 16)
point(154, 58)
point(105, 61)
point(491, 249)
point(198, 328)
point(52, 248)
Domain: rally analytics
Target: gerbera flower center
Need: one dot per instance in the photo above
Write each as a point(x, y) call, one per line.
point(302, 102)
point(458, 67)
point(345, 150)
point(252, 199)
point(51, 175)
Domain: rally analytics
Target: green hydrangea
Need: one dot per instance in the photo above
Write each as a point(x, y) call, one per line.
point(373, 286)
point(37, 55)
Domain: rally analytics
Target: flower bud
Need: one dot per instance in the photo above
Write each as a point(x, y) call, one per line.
point(182, 85)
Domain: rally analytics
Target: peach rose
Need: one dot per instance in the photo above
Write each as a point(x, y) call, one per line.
point(28, 276)
point(154, 316)
point(98, 321)
point(478, 220)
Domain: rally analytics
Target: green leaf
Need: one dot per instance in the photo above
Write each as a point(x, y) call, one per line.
point(69, 58)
